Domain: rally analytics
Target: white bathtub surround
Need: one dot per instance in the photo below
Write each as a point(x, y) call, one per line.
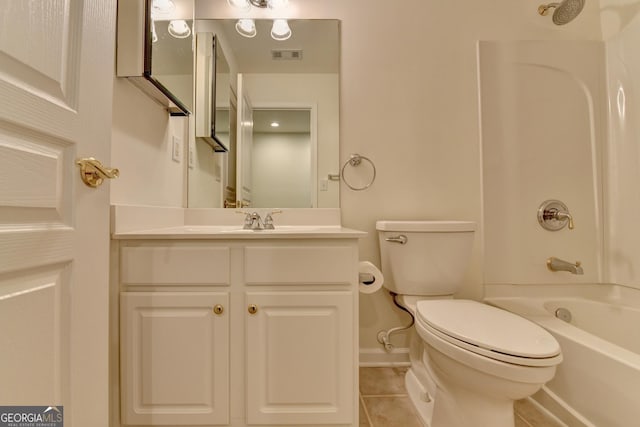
point(542, 114)
point(597, 384)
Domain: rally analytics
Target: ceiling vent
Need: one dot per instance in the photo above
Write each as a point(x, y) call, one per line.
point(286, 55)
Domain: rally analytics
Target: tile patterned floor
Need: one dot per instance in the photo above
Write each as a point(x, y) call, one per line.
point(384, 402)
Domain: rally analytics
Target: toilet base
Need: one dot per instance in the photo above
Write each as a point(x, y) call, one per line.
point(437, 408)
point(421, 399)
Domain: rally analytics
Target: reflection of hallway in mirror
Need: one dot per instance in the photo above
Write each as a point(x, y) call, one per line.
point(282, 158)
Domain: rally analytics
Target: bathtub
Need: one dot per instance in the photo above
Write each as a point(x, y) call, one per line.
point(598, 382)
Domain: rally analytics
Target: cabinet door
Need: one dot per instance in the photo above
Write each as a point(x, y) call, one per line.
point(300, 358)
point(174, 353)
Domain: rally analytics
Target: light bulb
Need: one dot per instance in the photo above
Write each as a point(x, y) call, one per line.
point(179, 29)
point(278, 4)
point(246, 27)
point(162, 8)
point(280, 30)
point(240, 4)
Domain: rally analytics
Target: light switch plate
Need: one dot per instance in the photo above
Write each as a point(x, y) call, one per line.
point(192, 159)
point(176, 149)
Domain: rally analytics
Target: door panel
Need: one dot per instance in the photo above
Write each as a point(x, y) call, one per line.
point(56, 75)
point(175, 358)
point(299, 358)
point(245, 146)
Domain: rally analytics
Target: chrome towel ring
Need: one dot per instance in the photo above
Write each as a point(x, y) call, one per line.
point(355, 160)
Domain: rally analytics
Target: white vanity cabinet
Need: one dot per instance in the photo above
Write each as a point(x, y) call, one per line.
point(175, 358)
point(238, 332)
point(299, 358)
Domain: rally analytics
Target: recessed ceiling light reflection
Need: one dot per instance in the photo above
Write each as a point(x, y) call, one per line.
point(275, 124)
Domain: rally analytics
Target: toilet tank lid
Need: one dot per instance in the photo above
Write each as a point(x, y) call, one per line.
point(426, 226)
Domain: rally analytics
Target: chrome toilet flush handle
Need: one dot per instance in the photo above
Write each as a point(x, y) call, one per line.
point(402, 239)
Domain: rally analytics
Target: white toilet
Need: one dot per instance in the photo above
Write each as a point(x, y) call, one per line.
point(469, 361)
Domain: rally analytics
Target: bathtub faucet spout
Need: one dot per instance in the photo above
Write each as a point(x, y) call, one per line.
point(557, 264)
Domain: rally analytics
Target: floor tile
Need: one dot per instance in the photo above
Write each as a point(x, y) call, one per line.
point(382, 381)
point(530, 412)
point(392, 411)
point(384, 399)
point(363, 418)
point(520, 422)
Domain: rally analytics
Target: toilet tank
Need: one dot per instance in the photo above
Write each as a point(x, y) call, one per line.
point(433, 259)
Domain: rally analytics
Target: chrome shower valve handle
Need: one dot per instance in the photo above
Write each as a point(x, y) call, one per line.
point(553, 215)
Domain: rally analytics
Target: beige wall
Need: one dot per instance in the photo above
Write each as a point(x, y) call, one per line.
point(408, 100)
point(141, 145)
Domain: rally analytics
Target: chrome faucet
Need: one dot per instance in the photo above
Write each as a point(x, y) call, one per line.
point(252, 221)
point(556, 264)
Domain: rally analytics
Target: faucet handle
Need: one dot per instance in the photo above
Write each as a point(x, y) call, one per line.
point(248, 219)
point(553, 215)
point(268, 219)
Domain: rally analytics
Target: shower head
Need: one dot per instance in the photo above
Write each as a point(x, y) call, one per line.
point(565, 11)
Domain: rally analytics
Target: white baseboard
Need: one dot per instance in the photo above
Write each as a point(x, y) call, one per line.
point(377, 357)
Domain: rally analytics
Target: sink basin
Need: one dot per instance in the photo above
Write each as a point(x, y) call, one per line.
point(214, 229)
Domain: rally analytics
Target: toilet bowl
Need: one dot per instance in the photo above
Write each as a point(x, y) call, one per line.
point(469, 361)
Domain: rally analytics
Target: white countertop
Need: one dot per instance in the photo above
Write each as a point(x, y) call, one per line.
point(237, 232)
point(150, 222)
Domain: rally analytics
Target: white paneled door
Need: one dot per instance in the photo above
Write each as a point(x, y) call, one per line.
point(244, 146)
point(56, 77)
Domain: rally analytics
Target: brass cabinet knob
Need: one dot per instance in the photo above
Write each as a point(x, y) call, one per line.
point(218, 309)
point(252, 309)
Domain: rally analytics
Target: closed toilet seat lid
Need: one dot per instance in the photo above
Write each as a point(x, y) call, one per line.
point(490, 331)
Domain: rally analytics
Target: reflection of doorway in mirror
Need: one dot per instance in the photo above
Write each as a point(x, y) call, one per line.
point(283, 158)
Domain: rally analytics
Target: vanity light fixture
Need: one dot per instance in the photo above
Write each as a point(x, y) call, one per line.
point(179, 29)
point(246, 4)
point(280, 30)
point(246, 28)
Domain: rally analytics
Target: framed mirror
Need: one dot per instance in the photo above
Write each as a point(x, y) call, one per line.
point(155, 50)
point(295, 78)
point(212, 92)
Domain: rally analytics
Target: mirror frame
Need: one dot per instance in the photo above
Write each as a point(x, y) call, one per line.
point(134, 57)
point(209, 134)
point(147, 72)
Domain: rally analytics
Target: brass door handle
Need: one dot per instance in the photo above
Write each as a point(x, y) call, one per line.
point(93, 173)
point(218, 309)
point(252, 309)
